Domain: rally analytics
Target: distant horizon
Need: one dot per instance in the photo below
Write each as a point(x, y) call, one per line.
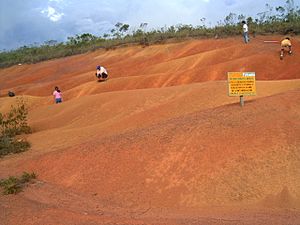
point(34, 23)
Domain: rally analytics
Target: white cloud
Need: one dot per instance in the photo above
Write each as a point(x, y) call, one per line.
point(52, 14)
point(58, 1)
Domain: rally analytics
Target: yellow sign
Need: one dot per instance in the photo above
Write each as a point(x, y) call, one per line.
point(241, 83)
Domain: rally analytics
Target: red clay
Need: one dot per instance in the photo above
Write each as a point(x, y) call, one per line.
point(160, 142)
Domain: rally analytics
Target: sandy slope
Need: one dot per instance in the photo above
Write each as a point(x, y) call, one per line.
point(160, 142)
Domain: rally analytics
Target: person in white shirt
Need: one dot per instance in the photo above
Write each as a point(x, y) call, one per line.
point(101, 73)
point(245, 32)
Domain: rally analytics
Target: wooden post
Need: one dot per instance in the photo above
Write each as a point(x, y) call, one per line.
point(242, 100)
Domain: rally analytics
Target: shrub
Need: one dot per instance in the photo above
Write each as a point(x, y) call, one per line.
point(14, 185)
point(11, 124)
point(9, 145)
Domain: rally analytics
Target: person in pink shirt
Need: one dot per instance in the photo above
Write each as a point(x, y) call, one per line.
point(57, 95)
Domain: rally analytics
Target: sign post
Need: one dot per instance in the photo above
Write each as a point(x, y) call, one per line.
point(242, 100)
point(241, 84)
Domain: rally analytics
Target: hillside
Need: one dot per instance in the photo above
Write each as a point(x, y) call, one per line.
point(160, 142)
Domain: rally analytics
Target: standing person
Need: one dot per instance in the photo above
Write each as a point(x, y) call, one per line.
point(245, 32)
point(57, 95)
point(286, 44)
point(101, 73)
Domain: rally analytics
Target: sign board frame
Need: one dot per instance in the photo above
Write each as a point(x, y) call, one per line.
point(241, 84)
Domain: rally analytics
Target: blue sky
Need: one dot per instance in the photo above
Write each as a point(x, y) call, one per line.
point(25, 22)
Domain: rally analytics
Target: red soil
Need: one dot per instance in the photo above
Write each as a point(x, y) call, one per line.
point(160, 142)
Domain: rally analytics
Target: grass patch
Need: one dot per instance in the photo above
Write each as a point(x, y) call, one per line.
point(14, 185)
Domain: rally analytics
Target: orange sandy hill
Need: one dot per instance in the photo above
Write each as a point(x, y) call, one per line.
point(154, 66)
point(160, 142)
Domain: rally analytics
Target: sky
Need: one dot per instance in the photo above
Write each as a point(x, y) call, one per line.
point(30, 22)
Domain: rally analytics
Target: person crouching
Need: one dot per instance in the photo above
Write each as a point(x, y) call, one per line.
point(286, 44)
point(101, 73)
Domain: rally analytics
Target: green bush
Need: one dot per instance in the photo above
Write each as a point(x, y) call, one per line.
point(14, 185)
point(9, 145)
point(12, 124)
